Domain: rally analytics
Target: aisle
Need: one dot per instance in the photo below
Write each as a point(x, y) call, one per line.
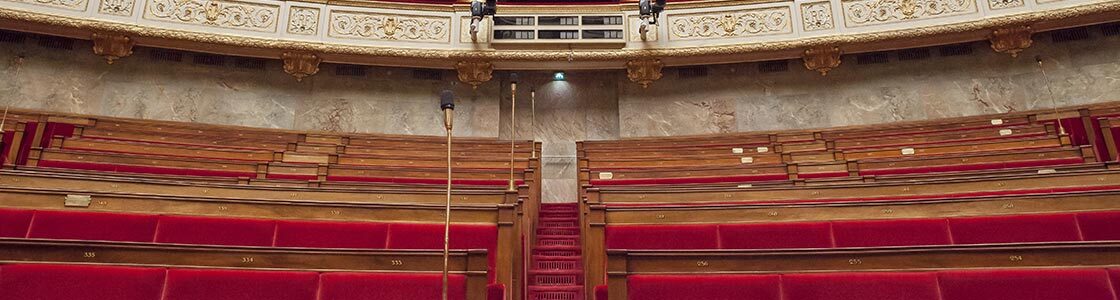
point(556, 272)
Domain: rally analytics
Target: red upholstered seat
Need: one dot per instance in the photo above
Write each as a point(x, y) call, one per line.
point(76, 282)
point(14, 223)
point(430, 236)
point(190, 284)
point(1100, 226)
point(1014, 229)
point(879, 233)
point(1088, 284)
point(662, 237)
point(860, 286)
point(215, 231)
point(383, 286)
point(1115, 274)
point(775, 235)
point(314, 234)
point(52, 224)
point(601, 292)
point(721, 287)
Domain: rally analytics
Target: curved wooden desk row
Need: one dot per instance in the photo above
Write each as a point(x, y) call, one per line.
point(1056, 157)
point(691, 268)
point(956, 187)
point(44, 268)
point(1074, 119)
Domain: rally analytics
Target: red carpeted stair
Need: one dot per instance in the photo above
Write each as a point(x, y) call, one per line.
point(557, 269)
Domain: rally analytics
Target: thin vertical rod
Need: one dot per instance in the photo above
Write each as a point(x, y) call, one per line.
point(533, 107)
point(512, 132)
point(447, 216)
point(1061, 129)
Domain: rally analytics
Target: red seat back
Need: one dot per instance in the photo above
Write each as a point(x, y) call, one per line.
point(1088, 284)
point(1100, 226)
point(775, 235)
point(662, 237)
point(93, 226)
point(14, 223)
point(215, 231)
point(723, 287)
point(317, 234)
point(1014, 229)
point(216, 284)
point(861, 286)
point(76, 282)
point(879, 233)
point(386, 286)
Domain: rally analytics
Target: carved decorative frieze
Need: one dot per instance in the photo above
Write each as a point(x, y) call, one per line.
point(389, 27)
point(217, 13)
point(303, 20)
point(1011, 40)
point(871, 12)
point(816, 16)
point(116, 7)
point(1002, 4)
point(112, 46)
point(78, 5)
point(644, 71)
point(730, 24)
point(474, 72)
point(822, 59)
point(301, 64)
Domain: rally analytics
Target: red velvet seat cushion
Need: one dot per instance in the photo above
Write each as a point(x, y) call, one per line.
point(364, 235)
point(601, 292)
point(1088, 284)
point(902, 232)
point(215, 231)
point(721, 287)
point(387, 286)
point(657, 237)
point(76, 282)
point(775, 235)
point(1115, 274)
point(191, 284)
point(861, 286)
point(1100, 226)
point(52, 224)
point(14, 223)
point(1014, 229)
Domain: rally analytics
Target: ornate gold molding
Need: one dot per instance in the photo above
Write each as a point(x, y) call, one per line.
point(644, 71)
point(112, 46)
point(1011, 40)
point(730, 24)
point(822, 59)
point(24, 18)
point(301, 64)
point(474, 72)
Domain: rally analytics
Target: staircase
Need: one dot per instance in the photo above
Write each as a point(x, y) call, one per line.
point(556, 272)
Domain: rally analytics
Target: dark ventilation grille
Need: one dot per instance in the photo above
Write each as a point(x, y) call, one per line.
point(692, 72)
point(12, 37)
point(249, 63)
point(913, 54)
point(427, 74)
point(56, 42)
point(1068, 35)
point(209, 59)
point(165, 55)
point(350, 70)
point(1110, 29)
point(872, 58)
point(773, 66)
point(955, 50)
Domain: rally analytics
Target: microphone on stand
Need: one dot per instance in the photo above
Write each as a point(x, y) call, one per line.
point(447, 104)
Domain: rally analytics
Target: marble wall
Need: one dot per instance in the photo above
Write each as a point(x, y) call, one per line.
point(588, 105)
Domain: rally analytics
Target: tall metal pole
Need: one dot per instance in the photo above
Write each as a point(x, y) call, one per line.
point(448, 106)
point(512, 128)
point(533, 107)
